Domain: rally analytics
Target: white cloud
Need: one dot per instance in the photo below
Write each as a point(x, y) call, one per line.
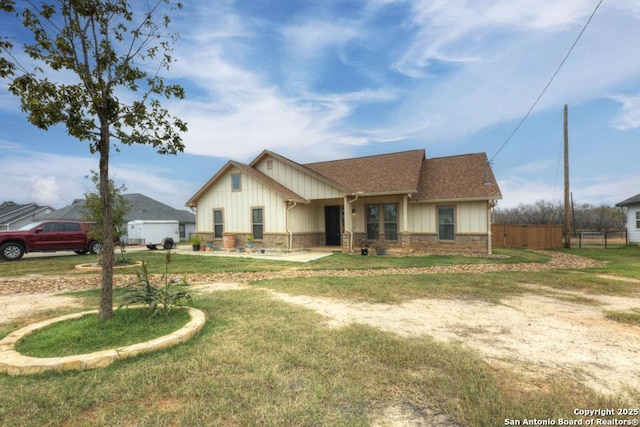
point(629, 116)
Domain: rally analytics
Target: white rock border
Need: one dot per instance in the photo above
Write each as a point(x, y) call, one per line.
point(14, 363)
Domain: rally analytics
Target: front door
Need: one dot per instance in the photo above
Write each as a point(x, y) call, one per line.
point(332, 225)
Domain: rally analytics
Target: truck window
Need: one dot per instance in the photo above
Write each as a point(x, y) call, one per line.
point(51, 227)
point(71, 226)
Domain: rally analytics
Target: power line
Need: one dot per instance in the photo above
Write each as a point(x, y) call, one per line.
point(549, 83)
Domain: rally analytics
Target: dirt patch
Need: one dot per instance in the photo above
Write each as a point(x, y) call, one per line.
point(531, 333)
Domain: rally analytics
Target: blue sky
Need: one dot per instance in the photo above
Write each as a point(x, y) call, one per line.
point(320, 80)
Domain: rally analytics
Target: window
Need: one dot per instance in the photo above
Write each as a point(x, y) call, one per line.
point(446, 223)
point(382, 219)
point(51, 227)
point(71, 226)
point(218, 224)
point(236, 183)
point(638, 219)
point(257, 224)
point(183, 231)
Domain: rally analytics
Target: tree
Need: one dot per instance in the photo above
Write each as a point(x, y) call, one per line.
point(89, 57)
point(92, 210)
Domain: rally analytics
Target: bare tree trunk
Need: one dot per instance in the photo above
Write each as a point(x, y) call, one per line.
point(106, 298)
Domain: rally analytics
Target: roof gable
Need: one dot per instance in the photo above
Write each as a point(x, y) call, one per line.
point(280, 189)
point(13, 212)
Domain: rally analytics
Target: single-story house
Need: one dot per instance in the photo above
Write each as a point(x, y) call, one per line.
point(14, 215)
point(404, 199)
point(141, 207)
point(632, 205)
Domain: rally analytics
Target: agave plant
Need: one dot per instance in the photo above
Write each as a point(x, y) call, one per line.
point(160, 299)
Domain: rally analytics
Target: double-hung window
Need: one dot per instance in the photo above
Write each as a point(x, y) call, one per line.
point(218, 223)
point(638, 219)
point(257, 223)
point(382, 220)
point(446, 223)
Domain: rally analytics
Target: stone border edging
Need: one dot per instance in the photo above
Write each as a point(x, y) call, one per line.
point(14, 363)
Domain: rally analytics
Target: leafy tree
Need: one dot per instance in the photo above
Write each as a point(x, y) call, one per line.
point(90, 58)
point(92, 210)
point(585, 217)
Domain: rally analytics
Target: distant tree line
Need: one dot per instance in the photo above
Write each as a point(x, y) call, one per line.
point(584, 217)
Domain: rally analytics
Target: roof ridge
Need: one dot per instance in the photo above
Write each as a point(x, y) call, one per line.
point(369, 156)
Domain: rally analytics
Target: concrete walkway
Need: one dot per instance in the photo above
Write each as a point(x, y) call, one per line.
point(297, 256)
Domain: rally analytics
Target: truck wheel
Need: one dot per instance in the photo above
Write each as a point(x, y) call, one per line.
point(95, 247)
point(11, 251)
point(168, 243)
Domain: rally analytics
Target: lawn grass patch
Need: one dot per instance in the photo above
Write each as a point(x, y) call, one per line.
point(631, 317)
point(89, 334)
point(192, 264)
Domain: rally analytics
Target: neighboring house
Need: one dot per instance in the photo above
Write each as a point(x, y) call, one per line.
point(413, 203)
point(14, 216)
point(633, 218)
point(141, 208)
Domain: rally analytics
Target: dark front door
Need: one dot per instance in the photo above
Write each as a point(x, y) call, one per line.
point(332, 225)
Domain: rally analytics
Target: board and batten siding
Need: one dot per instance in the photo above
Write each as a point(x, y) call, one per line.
point(301, 183)
point(633, 231)
point(471, 217)
point(237, 205)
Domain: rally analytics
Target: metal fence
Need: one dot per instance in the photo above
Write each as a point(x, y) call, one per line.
point(599, 239)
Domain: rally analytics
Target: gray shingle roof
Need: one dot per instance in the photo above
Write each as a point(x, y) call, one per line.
point(635, 200)
point(142, 208)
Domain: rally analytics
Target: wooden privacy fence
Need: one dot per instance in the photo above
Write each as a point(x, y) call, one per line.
point(526, 236)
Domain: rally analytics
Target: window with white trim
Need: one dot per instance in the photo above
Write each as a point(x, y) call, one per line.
point(638, 219)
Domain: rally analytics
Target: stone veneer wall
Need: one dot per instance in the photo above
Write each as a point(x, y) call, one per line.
point(429, 243)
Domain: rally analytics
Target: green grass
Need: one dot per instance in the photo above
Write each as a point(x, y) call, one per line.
point(210, 265)
point(631, 317)
point(260, 361)
point(88, 334)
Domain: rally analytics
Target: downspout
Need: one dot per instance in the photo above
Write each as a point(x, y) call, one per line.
point(289, 232)
point(350, 230)
point(490, 205)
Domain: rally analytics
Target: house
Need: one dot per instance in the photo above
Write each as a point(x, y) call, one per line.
point(413, 203)
point(14, 216)
point(632, 206)
point(141, 207)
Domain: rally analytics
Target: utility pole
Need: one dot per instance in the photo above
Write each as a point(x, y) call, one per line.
point(567, 202)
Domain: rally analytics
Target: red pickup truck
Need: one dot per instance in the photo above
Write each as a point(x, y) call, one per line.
point(47, 236)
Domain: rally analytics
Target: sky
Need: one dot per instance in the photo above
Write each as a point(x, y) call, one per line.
point(319, 80)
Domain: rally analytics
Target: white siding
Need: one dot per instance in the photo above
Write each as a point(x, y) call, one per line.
point(236, 206)
point(301, 183)
point(472, 217)
point(632, 224)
